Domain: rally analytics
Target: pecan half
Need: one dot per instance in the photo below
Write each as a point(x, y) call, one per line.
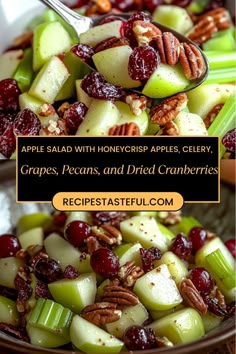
point(110, 43)
point(212, 114)
point(101, 313)
point(192, 296)
point(203, 30)
point(98, 7)
point(144, 32)
point(92, 244)
point(220, 17)
point(126, 129)
point(54, 128)
point(170, 129)
point(168, 109)
point(137, 103)
point(191, 61)
point(63, 108)
point(170, 217)
point(168, 47)
point(119, 295)
point(129, 273)
point(107, 233)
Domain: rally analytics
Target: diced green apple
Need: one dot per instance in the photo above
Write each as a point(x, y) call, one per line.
point(221, 41)
point(76, 293)
point(126, 116)
point(31, 237)
point(128, 252)
point(211, 321)
point(89, 338)
point(43, 338)
point(165, 81)
point(50, 39)
point(157, 290)
point(9, 62)
point(79, 215)
point(99, 33)
point(131, 315)
point(29, 221)
point(100, 117)
point(115, 71)
point(8, 311)
point(82, 96)
point(146, 230)
point(62, 251)
point(84, 265)
point(183, 326)
point(174, 17)
point(49, 80)
point(157, 314)
point(9, 268)
point(190, 124)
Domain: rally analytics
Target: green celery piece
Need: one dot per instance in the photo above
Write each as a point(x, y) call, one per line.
point(222, 76)
point(197, 6)
point(185, 225)
point(51, 16)
point(221, 269)
point(220, 60)
point(224, 121)
point(222, 41)
point(24, 73)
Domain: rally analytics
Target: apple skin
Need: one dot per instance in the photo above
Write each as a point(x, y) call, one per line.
point(9, 62)
point(9, 268)
point(89, 338)
point(8, 311)
point(30, 237)
point(29, 221)
point(43, 338)
point(129, 252)
point(165, 81)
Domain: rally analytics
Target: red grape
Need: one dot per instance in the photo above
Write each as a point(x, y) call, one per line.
point(231, 245)
point(104, 262)
point(76, 232)
point(139, 337)
point(198, 237)
point(9, 245)
point(202, 279)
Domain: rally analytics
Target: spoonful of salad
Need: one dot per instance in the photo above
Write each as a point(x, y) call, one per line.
point(129, 51)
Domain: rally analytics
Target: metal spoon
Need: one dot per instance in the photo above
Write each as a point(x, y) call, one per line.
point(82, 23)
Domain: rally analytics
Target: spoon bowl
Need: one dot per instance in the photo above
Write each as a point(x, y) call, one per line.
point(81, 24)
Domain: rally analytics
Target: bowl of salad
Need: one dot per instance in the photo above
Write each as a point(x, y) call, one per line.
point(140, 77)
point(116, 282)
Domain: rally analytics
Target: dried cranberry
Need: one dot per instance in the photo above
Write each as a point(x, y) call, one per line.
point(74, 116)
point(229, 140)
point(142, 62)
point(9, 245)
point(202, 279)
point(84, 52)
point(126, 5)
point(214, 4)
point(9, 95)
point(13, 331)
point(70, 272)
point(128, 26)
point(8, 142)
point(59, 218)
point(8, 292)
point(181, 3)
point(140, 15)
point(47, 270)
point(148, 256)
point(181, 246)
point(76, 232)
point(139, 338)
point(23, 288)
point(151, 5)
point(231, 245)
point(104, 262)
point(26, 123)
point(231, 309)
point(5, 120)
point(41, 290)
point(215, 307)
point(198, 236)
point(95, 86)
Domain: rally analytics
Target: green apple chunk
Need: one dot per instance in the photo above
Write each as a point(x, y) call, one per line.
point(43, 338)
point(180, 327)
point(100, 117)
point(29, 221)
point(209, 95)
point(75, 293)
point(157, 290)
point(165, 81)
point(190, 124)
point(126, 116)
point(176, 266)
point(82, 96)
point(50, 39)
point(24, 72)
point(49, 80)
point(62, 251)
point(146, 230)
point(79, 215)
point(84, 265)
point(174, 17)
point(9, 268)
point(115, 70)
point(131, 315)
point(157, 314)
point(8, 311)
point(128, 252)
point(89, 338)
point(211, 321)
point(31, 237)
point(221, 41)
point(99, 33)
point(9, 62)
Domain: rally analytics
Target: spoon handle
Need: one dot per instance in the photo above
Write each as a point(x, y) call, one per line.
point(78, 22)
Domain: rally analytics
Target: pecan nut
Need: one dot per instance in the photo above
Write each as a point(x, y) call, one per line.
point(129, 273)
point(110, 43)
point(168, 47)
point(170, 129)
point(101, 313)
point(137, 104)
point(192, 61)
point(212, 114)
point(192, 296)
point(107, 233)
point(98, 7)
point(203, 30)
point(166, 110)
point(119, 295)
point(126, 129)
point(170, 217)
point(144, 32)
point(54, 128)
point(220, 17)
point(92, 244)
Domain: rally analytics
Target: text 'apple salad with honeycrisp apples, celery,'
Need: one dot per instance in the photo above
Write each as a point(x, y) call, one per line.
point(102, 282)
point(46, 88)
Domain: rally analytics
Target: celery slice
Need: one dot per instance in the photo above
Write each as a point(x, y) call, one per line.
point(185, 225)
point(24, 72)
point(224, 121)
point(222, 76)
point(220, 60)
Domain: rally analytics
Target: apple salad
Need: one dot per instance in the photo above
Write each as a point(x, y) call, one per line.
point(104, 282)
point(121, 77)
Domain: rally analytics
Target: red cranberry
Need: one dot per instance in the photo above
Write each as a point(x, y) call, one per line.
point(59, 218)
point(148, 257)
point(83, 51)
point(215, 307)
point(104, 262)
point(151, 5)
point(76, 232)
point(26, 123)
point(47, 270)
point(181, 246)
point(70, 272)
point(202, 279)
point(142, 62)
point(8, 142)
point(229, 140)
point(139, 338)
point(9, 94)
point(74, 116)
point(181, 3)
point(198, 236)
point(9, 245)
point(231, 245)
point(5, 120)
point(231, 309)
